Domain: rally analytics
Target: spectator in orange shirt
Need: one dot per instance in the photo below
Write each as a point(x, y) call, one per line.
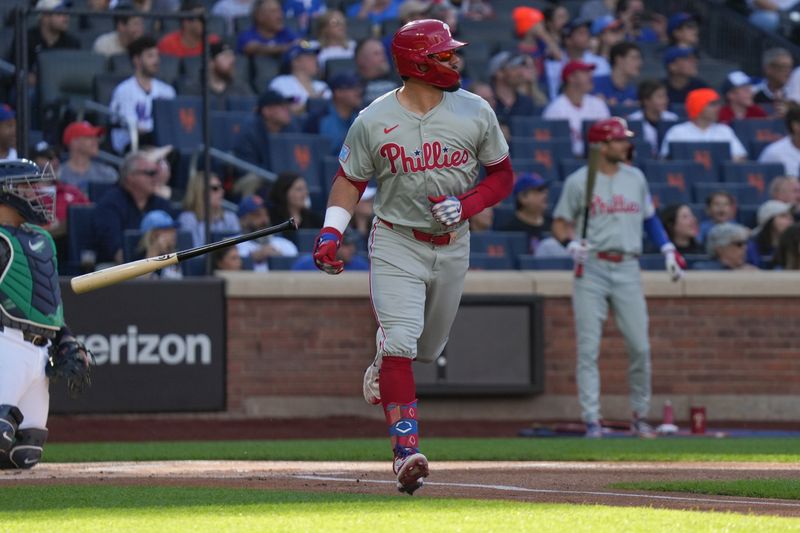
point(187, 40)
point(737, 89)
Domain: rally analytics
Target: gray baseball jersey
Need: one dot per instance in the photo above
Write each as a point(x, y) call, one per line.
point(620, 204)
point(413, 157)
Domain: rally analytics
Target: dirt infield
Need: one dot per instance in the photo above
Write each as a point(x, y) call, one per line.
point(535, 482)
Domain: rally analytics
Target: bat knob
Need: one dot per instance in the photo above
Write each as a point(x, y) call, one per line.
point(292, 222)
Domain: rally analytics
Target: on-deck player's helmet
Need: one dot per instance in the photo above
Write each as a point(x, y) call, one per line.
point(610, 129)
point(414, 43)
point(29, 189)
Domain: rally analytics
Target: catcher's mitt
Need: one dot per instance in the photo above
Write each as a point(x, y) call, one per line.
point(71, 361)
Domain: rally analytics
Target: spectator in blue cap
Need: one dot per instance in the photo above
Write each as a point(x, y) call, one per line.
point(683, 30)
point(343, 108)
point(8, 132)
point(253, 215)
point(626, 65)
point(681, 66)
point(160, 237)
point(301, 82)
point(273, 115)
point(632, 14)
point(576, 39)
point(737, 90)
point(530, 216)
point(608, 32)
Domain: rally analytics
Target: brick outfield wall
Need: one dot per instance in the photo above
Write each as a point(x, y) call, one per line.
point(701, 346)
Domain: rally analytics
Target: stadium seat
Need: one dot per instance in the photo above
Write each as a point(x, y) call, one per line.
point(759, 129)
point(743, 192)
point(623, 110)
point(263, 69)
point(330, 166)
point(747, 214)
point(522, 166)
point(503, 214)
point(759, 175)
point(120, 64)
point(97, 190)
point(225, 127)
point(67, 74)
point(338, 66)
point(553, 193)
point(664, 194)
point(492, 243)
point(478, 261)
point(709, 154)
point(530, 262)
point(178, 122)
point(754, 149)
point(284, 263)
point(680, 110)
point(315, 106)
point(678, 174)
point(242, 23)
point(691, 259)
point(242, 103)
point(103, 86)
point(301, 153)
point(569, 165)
point(652, 262)
point(305, 240)
point(539, 128)
point(80, 235)
point(548, 153)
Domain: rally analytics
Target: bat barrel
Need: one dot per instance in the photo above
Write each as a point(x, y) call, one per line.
point(118, 273)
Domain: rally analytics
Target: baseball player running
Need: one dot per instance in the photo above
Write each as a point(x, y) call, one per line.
point(619, 208)
point(423, 143)
point(31, 315)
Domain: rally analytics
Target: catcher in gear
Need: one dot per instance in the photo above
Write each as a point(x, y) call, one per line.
point(424, 144)
point(31, 314)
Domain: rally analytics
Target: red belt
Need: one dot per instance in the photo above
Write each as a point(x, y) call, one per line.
point(613, 257)
point(437, 239)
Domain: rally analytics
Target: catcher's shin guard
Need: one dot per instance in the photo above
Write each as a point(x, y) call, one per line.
point(27, 450)
point(10, 419)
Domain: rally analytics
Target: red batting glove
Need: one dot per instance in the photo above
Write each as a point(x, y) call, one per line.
point(325, 248)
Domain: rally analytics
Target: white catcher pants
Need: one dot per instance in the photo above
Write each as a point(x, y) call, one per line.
point(22, 379)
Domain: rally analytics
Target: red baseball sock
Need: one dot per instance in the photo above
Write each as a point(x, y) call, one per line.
point(398, 396)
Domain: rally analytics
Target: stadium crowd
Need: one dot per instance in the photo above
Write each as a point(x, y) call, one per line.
point(286, 80)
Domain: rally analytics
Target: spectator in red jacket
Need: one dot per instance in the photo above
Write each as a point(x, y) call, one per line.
point(187, 41)
point(738, 93)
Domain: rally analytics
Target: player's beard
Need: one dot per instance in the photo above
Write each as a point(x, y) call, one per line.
point(453, 88)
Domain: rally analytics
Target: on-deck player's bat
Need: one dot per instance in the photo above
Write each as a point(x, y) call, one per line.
point(591, 177)
point(116, 274)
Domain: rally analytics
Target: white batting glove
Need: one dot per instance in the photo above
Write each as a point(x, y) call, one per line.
point(447, 211)
point(674, 261)
point(579, 250)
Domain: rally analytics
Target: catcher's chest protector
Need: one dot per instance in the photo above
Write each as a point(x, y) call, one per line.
point(29, 289)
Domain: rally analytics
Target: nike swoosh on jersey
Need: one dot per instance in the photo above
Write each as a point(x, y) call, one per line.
point(36, 248)
point(389, 130)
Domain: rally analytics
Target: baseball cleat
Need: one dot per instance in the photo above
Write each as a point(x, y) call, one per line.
point(410, 467)
point(371, 390)
point(641, 428)
point(593, 430)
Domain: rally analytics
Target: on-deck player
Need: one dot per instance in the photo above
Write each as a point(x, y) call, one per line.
point(31, 314)
point(423, 143)
point(620, 207)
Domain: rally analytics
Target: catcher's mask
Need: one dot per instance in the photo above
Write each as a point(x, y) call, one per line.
point(29, 189)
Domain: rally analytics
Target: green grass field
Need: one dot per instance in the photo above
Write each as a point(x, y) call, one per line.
point(102, 509)
point(785, 489)
point(785, 450)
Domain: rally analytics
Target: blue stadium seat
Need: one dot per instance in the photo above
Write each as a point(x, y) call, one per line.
point(680, 110)
point(744, 193)
point(178, 122)
point(664, 194)
point(338, 66)
point(548, 153)
point(709, 154)
point(67, 74)
point(569, 165)
point(305, 240)
point(97, 190)
point(225, 127)
point(499, 244)
point(330, 166)
point(623, 110)
point(759, 175)
point(80, 235)
point(502, 215)
point(299, 152)
point(478, 261)
point(531, 165)
point(691, 259)
point(747, 215)
point(754, 148)
point(652, 262)
point(284, 263)
point(678, 174)
point(530, 262)
point(539, 128)
point(762, 130)
point(242, 103)
point(264, 68)
point(553, 194)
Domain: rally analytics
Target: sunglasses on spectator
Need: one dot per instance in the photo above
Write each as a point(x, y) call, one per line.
point(739, 243)
point(215, 188)
point(444, 57)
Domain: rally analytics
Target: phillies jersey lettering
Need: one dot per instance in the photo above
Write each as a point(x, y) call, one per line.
point(620, 205)
point(432, 155)
point(415, 156)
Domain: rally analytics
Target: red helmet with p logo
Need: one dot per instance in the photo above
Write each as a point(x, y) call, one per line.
point(610, 129)
point(415, 43)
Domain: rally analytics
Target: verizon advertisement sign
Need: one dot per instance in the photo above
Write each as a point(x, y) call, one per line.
point(159, 346)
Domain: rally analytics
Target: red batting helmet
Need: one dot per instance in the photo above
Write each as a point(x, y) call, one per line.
point(610, 129)
point(414, 43)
